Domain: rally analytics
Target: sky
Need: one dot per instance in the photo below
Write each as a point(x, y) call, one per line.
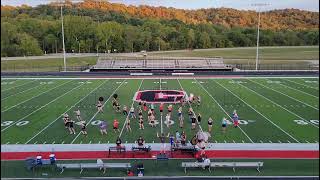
point(310, 5)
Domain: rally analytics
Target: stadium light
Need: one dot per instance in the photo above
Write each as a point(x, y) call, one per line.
point(258, 31)
point(63, 45)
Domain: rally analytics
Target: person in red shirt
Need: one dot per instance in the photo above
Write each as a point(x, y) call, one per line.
point(116, 125)
point(161, 108)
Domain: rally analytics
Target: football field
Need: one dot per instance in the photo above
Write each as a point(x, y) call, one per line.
point(271, 110)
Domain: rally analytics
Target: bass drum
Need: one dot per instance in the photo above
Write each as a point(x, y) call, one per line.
point(194, 140)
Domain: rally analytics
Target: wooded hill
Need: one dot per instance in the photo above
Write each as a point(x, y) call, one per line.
point(102, 26)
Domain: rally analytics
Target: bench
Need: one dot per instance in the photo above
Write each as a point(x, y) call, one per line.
point(140, 149)
point(184, 149)
point(99, 165)
point(232, 165)
point(118, 149)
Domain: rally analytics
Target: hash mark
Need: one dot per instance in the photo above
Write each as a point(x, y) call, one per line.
point(99, 142)
point(270, 141)
point(53, 142)
point(242, 141)
point(233, 141)
point(62, 142)
point(261, 141)
point(225, 141)
point(216, 141)
point(90, 142)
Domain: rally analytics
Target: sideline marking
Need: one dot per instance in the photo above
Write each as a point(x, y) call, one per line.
point(299, 91)
point(259, 113)
point(21, 92)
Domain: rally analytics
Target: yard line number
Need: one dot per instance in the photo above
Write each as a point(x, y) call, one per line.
point(21, 123)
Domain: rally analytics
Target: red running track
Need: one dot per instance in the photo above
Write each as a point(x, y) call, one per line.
point(253, 154)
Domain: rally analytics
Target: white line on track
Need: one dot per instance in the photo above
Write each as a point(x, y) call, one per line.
point(285, 95)
point(299, 91)
point(65, 112)
point(190, 107)
point(302, 84)
point(98, 111)
point(18, 85)
point(42, 107)
point(259, 113)
point(125, 121)
point(35, 97)
point(279, 105)
point(223, 110)
point(21, 92)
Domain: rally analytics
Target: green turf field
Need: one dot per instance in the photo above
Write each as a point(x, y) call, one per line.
point(270, 109)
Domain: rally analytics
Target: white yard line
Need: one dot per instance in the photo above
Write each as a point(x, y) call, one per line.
point(18, 85)
point(260, 113)
point(285, 95)
point(223, 110)
point(41, 107)
point(161, 121)
point(125, 121)
point(34, 96)
point(64, 112)
point(302, 84)
point(299, 91)
point(98, 111)
point(279, 105)
point(21, 92)
point(190, 106)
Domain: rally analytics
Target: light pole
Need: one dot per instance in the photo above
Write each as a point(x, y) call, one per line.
point(63, 45)
point(258, 31)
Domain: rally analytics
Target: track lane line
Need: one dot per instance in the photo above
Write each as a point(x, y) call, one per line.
point(65, 112)
point(259, 113)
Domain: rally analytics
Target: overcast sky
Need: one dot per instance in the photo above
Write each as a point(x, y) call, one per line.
point(310, 5)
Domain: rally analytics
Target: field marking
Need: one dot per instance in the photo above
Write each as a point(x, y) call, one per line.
point(285, 95)
point(260, 113)
point(18, 85)
point(35, 97)
point(302, 84)
point(191, 107)
point(21, 92)
point(98, 111)
point(161, 120)
point(65, 112)
point(278, 105)
point(224, 111)
point(130, 78)
point(300, 91)
point(41, 107)
point(125, 121)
